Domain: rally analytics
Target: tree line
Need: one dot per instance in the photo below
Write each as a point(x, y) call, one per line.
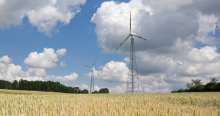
point(197, 86)
point(102, 90)
point(49, 86)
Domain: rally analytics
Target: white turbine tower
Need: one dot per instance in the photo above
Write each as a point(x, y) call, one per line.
point(92, 77)
point(133, 82)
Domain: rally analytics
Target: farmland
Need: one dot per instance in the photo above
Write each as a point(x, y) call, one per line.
point(166, 104)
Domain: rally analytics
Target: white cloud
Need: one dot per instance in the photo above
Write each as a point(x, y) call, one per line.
point(165, 5)
point(210, 52)
point(42, 14)
point(35, 64)
point(73, 76)
point(10, 72)
point(169, 58)
point(84, 86)
point(207, 23)
point(46, 59)
point(61, 52)
point(96, 88)
point(112, 26)
point(62, 63)
point(5, 59)
point(38, 72)
point(112, 72)
point(118, 89)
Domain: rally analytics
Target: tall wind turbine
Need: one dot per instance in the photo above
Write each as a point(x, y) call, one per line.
point(133, 83)
point(92, 77)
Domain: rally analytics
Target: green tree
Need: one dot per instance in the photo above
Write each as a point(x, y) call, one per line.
point(95, 92)
point(211, 85)
point(173, 91)
point(76, 90)
point(15, 85)
point(104, 90)
point(195, 85)
point(85, 91)
point(181, 90)
point(213, 80)
point(217, 87)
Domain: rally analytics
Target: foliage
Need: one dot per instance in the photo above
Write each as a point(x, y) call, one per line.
point(213, 80)
point(195, 83)
point(85, 91)
point(181, 90)
point(104, 90)
point(197, 86)
point(49, 86)
point(173, 91)
point(95, 92)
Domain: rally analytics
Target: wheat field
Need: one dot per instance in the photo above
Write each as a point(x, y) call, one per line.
point(154, 104)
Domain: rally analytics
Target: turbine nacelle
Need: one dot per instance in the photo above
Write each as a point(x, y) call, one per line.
point(131, 34)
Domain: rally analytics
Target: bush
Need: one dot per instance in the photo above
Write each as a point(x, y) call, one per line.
point(173, 91)
point(95, 92)
point(210, 87)
point(104, 90)
point(217, 87)
point(181, 90)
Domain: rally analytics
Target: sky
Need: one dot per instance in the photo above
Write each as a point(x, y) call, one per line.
point(54, 39)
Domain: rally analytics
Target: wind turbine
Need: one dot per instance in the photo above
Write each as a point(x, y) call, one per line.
point(133, 84)
point(92, 77)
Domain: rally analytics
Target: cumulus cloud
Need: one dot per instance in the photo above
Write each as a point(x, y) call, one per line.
point(181, 22)
point(35, 64)
point(118, 89)
point(169, 58)
point(61, 52)
point(84, 86)
point(96, 88)
point(42, 14)
point(73, 76)
point(144, 23)
point(5, 59)
point(10, 72)
point(33, 72)
point(46, 59)
point(111, 72)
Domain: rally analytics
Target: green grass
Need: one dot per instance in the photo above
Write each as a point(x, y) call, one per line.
point(8, 91)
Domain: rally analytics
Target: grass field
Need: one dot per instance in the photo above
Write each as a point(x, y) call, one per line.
point(155, 104)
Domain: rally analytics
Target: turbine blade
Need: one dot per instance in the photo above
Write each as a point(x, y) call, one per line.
point(95, 61)
point(140, 37)
point(130, 21)
point(88, 66)
point(123, 42)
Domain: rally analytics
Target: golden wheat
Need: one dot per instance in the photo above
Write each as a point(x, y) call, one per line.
point(163, 104)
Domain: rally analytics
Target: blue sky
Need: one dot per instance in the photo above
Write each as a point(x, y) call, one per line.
point(95, 31)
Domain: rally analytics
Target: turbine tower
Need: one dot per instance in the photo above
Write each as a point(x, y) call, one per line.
point(133, 82)
point(92, 77)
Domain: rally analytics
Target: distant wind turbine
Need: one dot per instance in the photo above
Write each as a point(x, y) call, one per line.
point(92, 77)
